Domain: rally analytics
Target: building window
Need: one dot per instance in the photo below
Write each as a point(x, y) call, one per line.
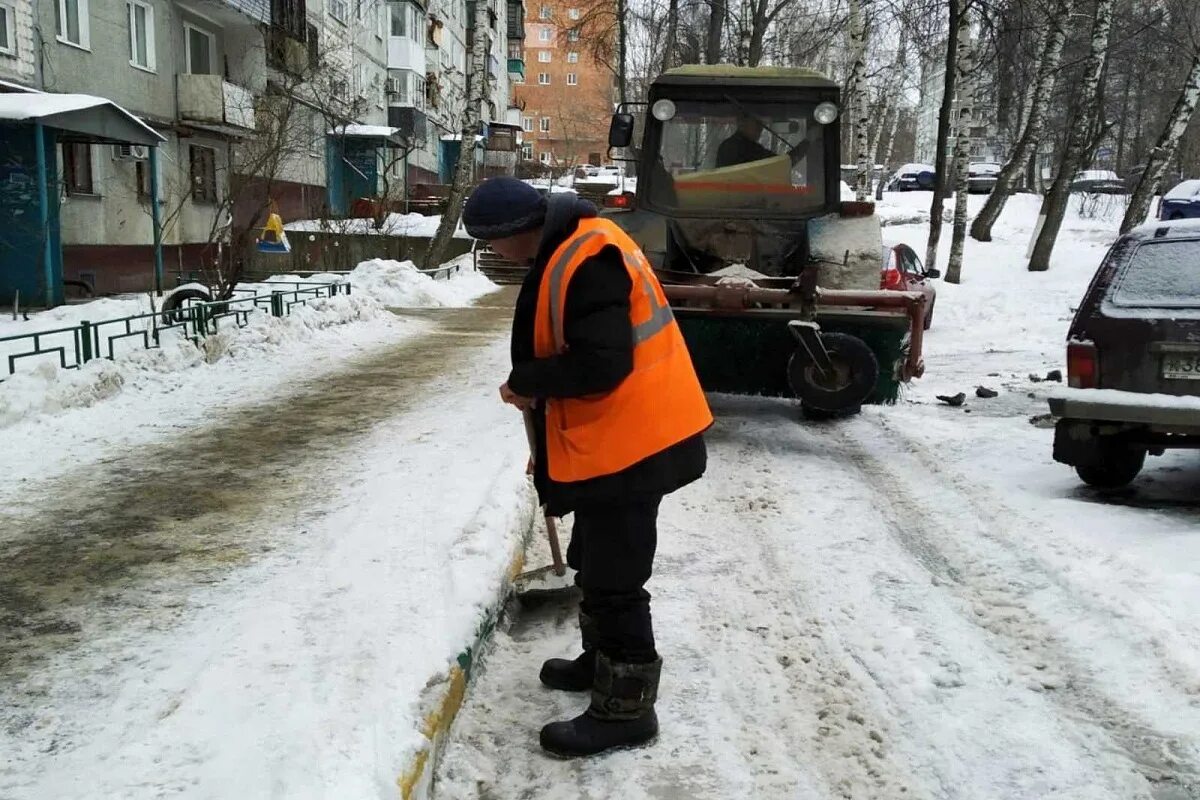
point(572, 58)
point(544, 35)
point(527, 124)
point(77, 167)
point(545, 125)
point(204, 174)
point(544, 12)
point(71, 22)
point(527, 151)
point(8, 33)
point(544, 56)
point(201, 50)
point(573, 13)
point(408, 21)
point(141, 35)
point(573, 35)
point(337, 8)
point(544, 157)
point(142, 173)
point(572, 79)
point(543, 78)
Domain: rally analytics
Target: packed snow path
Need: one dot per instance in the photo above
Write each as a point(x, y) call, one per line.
point(224, 613)
point(842, 614)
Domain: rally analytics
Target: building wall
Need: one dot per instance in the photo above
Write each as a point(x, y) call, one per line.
point(986, 144)
point(577, 114)
point(21, 65)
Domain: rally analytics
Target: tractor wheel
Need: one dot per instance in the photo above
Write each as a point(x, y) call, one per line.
point(855, 373)
point(177, 299)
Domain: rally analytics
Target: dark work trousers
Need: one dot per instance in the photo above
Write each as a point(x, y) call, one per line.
point(612, 551)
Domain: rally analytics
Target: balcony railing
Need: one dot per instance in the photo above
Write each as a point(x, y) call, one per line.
point(516, 69)
point(211, 99)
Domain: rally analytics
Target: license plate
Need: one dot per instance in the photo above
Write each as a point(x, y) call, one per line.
point(1181, 366)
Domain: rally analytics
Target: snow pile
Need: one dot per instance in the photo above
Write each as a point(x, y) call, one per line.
point(739, 271)
point(399, 284)
point(417, 226)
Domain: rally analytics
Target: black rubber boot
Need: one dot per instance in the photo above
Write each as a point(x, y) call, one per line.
point(574, 675)
point(621, 714)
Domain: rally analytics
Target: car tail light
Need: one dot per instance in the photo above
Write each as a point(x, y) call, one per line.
point(892, 279)
point(624, 200)
point(1083, 365)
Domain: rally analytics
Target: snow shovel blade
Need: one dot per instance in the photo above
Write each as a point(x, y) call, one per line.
point(550, 582)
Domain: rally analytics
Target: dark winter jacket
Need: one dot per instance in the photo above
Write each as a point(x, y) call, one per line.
point(599, 356)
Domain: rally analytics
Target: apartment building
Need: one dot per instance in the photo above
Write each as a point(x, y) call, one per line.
point(567, 96)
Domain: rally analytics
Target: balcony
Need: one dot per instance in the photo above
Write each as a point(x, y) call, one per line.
point(211, 100)
point(516, 20)
point(406, 53)
point(516, 69)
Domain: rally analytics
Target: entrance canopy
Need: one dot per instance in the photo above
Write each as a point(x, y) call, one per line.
point(92, 119)
point(388, 134)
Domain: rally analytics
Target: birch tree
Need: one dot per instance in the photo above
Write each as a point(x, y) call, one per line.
point(1049, 60)
point(956, 30)
point(962, 153)
point(1165, 149)
point(858, 79)
point(464, 170)
point(1054, 204)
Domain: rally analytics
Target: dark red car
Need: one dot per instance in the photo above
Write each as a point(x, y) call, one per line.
point(902, 271)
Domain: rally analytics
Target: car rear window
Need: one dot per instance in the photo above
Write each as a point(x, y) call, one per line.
point(1161, 274)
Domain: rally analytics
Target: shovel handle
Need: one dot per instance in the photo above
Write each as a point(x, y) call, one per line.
point(560, 568)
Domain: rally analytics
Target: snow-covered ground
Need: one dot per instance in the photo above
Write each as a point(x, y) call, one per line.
point(417, 225)
point(914, 603)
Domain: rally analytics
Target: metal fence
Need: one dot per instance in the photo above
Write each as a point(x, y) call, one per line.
point(76, 345)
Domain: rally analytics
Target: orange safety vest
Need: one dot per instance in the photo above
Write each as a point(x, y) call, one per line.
point(659, 404)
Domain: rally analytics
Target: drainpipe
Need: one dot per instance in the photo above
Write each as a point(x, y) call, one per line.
point(44, 212)
point(156, 222)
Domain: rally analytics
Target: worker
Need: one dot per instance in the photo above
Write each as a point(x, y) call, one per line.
point(743, 145)
point(600, 365)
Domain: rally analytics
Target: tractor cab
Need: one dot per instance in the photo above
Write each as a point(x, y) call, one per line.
point(733, 165)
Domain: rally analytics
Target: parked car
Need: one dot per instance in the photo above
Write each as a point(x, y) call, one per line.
point(913, 178)
point(902, 271)
point(1098, 181)
point(1133, 357)
point(981, 177)
point(1182, 202)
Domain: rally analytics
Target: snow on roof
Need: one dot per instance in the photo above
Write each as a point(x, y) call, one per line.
point(914, 168)
point(365, 131)
point(457, 137)
point(1175, 227)
point(985, 168)
point(1185, 190)
point(45, 106)
point(1096, 175)
point(9, 86)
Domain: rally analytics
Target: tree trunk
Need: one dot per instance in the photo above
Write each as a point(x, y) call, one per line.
point(1164, 150)
point(889, 148)
point(758, 32)
point(1054, 206)
point(962, 156)
point(862, 113)
point(672, 33)
point(956, 29)
point(716, 26)
point(622, 51)
point(1035, 122)
point(477, 79)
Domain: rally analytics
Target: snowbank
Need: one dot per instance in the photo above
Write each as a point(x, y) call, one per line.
point(44, 387)
point(417, 226)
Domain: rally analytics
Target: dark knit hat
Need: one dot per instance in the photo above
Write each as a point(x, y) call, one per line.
point(502, 207)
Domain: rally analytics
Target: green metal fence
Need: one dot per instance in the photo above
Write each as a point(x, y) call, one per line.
point(76, 345)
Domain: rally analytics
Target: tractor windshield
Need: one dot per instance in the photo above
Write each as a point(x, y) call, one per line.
point(716, 156)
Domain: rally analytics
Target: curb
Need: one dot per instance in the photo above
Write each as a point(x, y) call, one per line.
point(443, 695)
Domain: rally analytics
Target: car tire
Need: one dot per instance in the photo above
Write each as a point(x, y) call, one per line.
point(856, 373)
point(1116, 464)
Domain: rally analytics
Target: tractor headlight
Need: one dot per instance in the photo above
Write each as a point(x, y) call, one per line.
point(826, 113)
point(663, 110)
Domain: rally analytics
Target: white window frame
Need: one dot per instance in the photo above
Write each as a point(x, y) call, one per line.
point(187, 46)
point(545, 35)
point(543, 79)
point(131, 7)
point(544, 125)
point(572, 13)
point(545, 156)
point(527, 152)
point(85, 34)
point(543, 56)
point(336, 4)
point(527, 124)
point(544, 12)
point(572, 57)
point(572, 79)
point(573, 35)
point(9, 48)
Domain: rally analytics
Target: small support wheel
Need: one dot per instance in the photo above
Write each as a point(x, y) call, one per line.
point(843, 388)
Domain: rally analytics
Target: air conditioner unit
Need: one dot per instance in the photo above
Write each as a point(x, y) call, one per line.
point(394, 86)
point(130, 152)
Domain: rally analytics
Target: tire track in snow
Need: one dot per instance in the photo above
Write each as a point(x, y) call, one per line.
point(998, 578)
